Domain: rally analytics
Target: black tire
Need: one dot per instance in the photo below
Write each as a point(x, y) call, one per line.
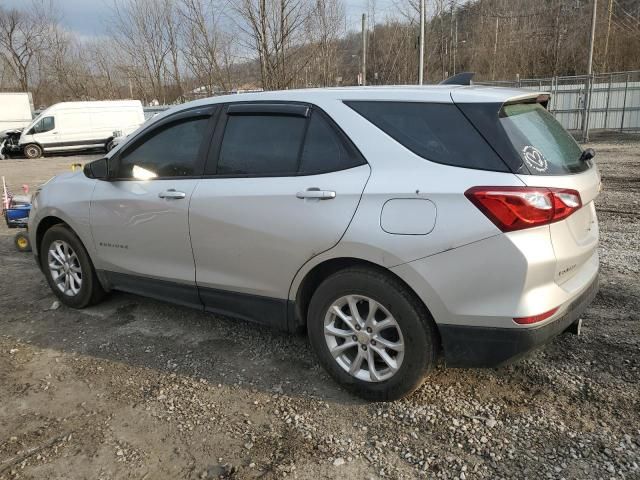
point(91, 291)
point(21, 241)
point(416, 324)
point(109, 146)
point(32, 150)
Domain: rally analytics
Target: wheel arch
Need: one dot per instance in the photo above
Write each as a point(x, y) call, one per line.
point(52, 220)
point(316, 275)
point(45, 224)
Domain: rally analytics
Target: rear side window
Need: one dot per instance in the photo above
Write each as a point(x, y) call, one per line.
point(325, 150)
point(275, 144)
point(545, 147)
point(436, 131)
point(171, 152)
point(261, 145)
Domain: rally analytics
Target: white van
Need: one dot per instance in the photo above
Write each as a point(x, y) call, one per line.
point(16, 110)
point(72, 126)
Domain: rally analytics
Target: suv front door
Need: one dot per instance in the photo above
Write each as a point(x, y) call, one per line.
point(281, 185)
point(140, 217)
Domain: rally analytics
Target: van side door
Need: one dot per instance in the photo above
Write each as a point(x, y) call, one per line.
point(46, 132)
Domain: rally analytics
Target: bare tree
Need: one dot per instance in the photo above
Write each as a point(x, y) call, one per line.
point(275, 31)
point(207, 47)
point(141, 32)
point(24, 34)
point(326, 29)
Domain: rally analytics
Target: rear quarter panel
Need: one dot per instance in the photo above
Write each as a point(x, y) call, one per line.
point(398, 173)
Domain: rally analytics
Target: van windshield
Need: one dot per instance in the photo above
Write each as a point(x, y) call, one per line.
point(35, 121)
point(545, 146)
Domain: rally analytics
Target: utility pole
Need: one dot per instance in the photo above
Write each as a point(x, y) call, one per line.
point(593, 36)
point(495, 50)
point(455, 46)
point(587, 103)
point(421, 72)
point(450, 34)
point(364, 49)
point(606, 42)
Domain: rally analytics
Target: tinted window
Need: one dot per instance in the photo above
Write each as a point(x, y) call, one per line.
point(171, 152)
point(324, 150)
point(435, 131)
point(544, 146)
point(261, 145)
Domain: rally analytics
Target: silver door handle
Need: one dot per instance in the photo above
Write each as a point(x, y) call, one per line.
point(317, 193)
point(172, 194)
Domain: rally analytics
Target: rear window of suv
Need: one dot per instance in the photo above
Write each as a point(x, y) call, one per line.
point(435, 131)
point(545, 147)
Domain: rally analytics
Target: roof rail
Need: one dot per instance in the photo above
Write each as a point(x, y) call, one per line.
point(463, 78)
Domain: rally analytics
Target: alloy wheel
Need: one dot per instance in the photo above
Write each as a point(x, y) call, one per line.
point(364, 338)
point(65, 268)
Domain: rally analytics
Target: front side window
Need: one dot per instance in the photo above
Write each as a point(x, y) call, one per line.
point(170, 152)
point(261, 145)
point(435, 131)
point(45, 124)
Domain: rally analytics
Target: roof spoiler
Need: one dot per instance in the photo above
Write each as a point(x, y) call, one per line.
point(463, 78)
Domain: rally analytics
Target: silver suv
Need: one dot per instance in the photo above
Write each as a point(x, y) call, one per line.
point(396, 224)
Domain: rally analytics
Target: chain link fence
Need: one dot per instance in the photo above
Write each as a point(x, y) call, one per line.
point(605, 101)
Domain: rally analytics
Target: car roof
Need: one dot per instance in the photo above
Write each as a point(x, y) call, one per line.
point(476, 93)
point(400, 93)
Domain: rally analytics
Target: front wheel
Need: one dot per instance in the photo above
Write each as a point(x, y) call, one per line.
point(32, 151)
point(68, 268)
point(371, 333)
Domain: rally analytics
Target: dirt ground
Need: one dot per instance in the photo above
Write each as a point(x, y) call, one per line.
point(135, 388)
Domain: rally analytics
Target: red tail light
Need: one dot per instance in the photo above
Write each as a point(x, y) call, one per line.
point(535, 318)
point(515, 208)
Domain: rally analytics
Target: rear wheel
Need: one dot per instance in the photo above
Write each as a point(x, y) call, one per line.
point(371, 334)
point(32, 151)
point(68, 268)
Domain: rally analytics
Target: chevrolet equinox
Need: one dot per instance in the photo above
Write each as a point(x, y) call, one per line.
point(396, 224)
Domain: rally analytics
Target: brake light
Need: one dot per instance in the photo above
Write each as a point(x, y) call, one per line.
point(515, 208)
point(535, 318)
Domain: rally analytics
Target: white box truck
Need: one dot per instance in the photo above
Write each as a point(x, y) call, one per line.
point(74, 126)
point(16, 110)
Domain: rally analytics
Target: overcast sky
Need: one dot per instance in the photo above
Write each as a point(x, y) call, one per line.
point(89, 17)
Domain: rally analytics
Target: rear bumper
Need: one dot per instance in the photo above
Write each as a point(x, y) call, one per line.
point(475, 347)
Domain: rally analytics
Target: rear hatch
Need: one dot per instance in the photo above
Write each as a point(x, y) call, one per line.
point(543, 154)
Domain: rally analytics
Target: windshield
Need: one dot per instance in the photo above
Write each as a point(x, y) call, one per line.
point(545, 147)
point(36, 120)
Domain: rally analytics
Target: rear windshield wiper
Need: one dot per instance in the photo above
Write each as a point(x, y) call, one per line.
point(587, 154)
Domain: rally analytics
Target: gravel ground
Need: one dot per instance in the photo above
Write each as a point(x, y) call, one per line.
point(135, 388)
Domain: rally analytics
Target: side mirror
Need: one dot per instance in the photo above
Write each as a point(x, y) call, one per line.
point(98, 169)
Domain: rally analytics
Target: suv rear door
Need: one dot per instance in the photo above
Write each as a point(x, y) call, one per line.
point(281, 185)
point(543, 154)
